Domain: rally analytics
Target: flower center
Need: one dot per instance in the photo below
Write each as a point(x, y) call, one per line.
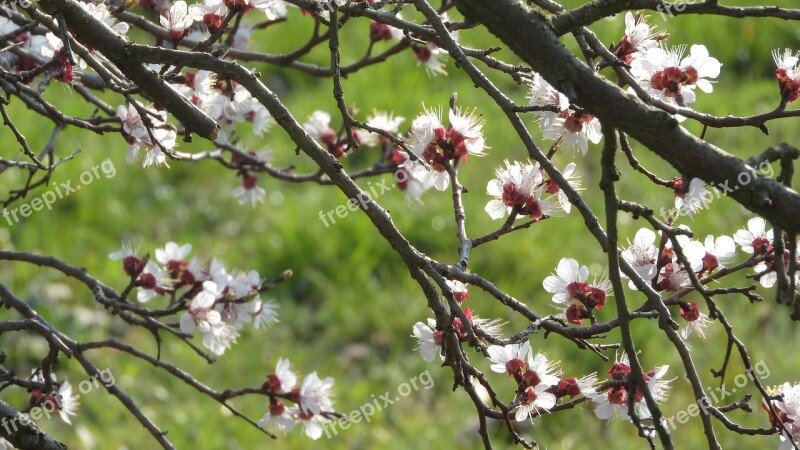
point(434, 157)
point(512, 196)
point(274, 384)
point(568, 387)
point(249, 182)
point(790, 90)
point(573, 124)
point(616, 396)
point(422, 53)
point(277, 408)
point(529, 396)
point(531, 378)
point(437, 337)
point(552, 187)
point(379, 31)
point(710, 262)
point(590, 296)
point(514, 366)
point(619, 371)
point(131, 264)
point(147, 280)
point(670, 80)
point(533, 208)
point(761, 245)
point(690, 312)
point(596, 298)
point(576, 314)
point(213, 21)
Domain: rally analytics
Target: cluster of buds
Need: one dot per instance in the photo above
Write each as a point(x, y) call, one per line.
point(439, 146)
point(312, 408)
point(540, 384)
point(560, 120)
point(638, 38)
point(318, 126)
point(59, 398)
point(572, 292)
point(218, 303)
point(784, 412)
point(787, 74)
point(431, 337)
point(616, 401)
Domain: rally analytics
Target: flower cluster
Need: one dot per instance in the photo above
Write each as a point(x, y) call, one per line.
point(559, 119)
point(663, 72)
point(757, 240)
point(666, 74)
point(537, 377)
point(218, 303)
point(521, 189)
point(429, 140)
point(430, 337)
point(427, 53)
point(61, 399)
point(312, 408)
point(152, 134)
point(40, 48)
point(786, 414)
point(639, 37)
point(704, 258)
point(788, 74)
point(665, 272)
point(616, 402)
point(198, 21)
point(439, 146)
point(572, 292)
point(540, 385)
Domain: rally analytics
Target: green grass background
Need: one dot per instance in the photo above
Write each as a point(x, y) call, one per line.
point(349, 309)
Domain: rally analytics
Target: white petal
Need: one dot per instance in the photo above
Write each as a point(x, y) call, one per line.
point(554, 284)
point(496, 209)
point(568, 269)
point(187, 323)
point(604, 411)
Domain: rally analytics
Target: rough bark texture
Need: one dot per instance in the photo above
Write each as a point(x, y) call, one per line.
point(87, 29)
point(22, 433)
point(532, 38)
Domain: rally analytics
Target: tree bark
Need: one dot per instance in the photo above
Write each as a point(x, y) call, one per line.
point(532, 37)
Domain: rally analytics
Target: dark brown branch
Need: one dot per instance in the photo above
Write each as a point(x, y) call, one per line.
point(89, 29)
point(518, 26)
point(23, 433)
point(609, 178)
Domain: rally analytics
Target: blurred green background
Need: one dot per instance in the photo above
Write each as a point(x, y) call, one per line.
point(349, 309)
